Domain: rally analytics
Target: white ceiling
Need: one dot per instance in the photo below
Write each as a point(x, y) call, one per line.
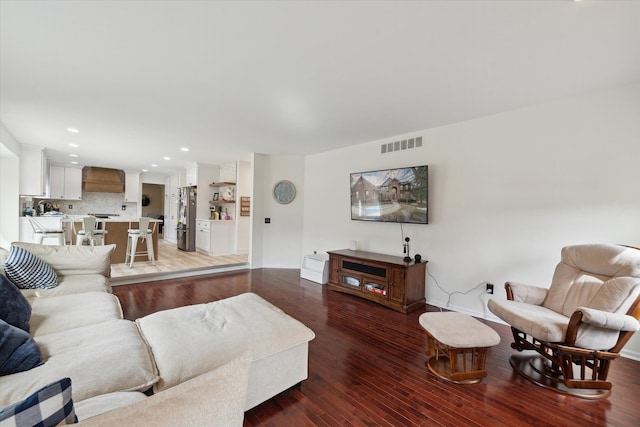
point(141, 79)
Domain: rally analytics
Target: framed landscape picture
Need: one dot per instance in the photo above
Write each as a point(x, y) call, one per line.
point(391, 195)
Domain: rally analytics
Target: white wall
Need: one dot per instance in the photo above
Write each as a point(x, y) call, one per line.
point(206, 175)
point(9, 141)
point(243, 223)
point(506, 192)
point(152, 178)
point(9, 188)
point(278, 244)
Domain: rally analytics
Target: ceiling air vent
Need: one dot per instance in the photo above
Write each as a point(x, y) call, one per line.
point(405, 144)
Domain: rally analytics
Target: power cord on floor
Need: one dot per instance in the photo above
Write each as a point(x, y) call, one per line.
point(451, 294)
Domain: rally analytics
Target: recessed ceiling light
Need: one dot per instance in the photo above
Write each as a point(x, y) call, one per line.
point(154, 166)
point(71, 144)
point(73, 130)
point(74, 162)
point(184, 149)
point(145, 170)
point(73, 155)
point(167, 158)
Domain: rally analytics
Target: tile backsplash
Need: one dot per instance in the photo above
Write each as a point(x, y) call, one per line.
point(95, 202)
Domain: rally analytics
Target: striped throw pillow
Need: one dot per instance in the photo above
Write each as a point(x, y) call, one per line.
point(27, 271)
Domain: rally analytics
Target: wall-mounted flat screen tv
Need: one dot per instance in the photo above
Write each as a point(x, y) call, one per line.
point(390, 195)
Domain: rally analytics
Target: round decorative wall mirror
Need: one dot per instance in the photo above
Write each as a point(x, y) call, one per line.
point(284, 192)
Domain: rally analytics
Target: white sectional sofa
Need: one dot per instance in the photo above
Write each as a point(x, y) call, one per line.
point(182, 357)
point(79, 268)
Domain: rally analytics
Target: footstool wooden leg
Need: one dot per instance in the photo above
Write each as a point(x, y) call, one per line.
point(462, 341)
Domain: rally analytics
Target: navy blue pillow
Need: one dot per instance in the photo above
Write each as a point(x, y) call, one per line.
point(14, 307)
point(18, 350)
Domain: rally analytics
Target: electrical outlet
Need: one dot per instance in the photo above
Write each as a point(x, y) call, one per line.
point(124, 207)
point(267, 220)
point(490, 288)
point(70, 206)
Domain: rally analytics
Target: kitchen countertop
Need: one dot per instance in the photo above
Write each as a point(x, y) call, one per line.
point(74, 218)
point(117, 232)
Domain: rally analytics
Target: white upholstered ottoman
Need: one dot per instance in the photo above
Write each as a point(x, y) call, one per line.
point(457, 345)
point(192, 340)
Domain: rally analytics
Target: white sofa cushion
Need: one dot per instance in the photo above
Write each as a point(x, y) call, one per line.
point(69, 260)
point(549, 326)
point(191, 340)
point(538, 321)
point(73, 284)
point(61, 313)
point(106, 402)
point(100, 358)
point(215, 398)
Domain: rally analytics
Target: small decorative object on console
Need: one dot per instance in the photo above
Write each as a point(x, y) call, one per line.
point(407, 256)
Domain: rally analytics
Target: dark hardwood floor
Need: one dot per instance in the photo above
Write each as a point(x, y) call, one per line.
point(367, 364)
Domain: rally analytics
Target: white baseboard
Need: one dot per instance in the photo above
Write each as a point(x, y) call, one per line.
point(128, 280)
point(630, 354)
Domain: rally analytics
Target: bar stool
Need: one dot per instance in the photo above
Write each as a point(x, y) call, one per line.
point(90, 232)
point(142, 232)
point(40, 232)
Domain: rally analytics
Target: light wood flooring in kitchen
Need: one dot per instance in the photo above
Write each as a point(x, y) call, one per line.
point(173, 263)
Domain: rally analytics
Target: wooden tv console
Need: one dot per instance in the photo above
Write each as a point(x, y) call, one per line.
point(384, 279)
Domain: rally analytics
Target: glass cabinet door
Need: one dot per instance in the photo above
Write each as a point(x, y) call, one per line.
point(376, 288)
point(351, 281)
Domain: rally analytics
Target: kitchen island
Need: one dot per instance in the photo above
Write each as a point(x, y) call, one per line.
point(117, 234)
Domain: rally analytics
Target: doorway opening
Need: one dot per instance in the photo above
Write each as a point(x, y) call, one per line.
point(153, 204)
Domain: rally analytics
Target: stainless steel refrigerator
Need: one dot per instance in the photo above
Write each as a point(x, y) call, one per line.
point(186, 230)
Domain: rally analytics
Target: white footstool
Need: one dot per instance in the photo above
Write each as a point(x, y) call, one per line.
point(192, 340)
point(457, 345)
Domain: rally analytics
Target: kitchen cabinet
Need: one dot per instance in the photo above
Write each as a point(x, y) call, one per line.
point(73, 183)
point(223, 238)
point(191, 177)
point(203, 236)
point(33, 176)
point(215, 238)
point(171, 208)
point(131, 187)
point(65, 183)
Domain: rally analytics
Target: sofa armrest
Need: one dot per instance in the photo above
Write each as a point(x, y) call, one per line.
point(525, 293)
point(215, 398)
point(607, 320)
